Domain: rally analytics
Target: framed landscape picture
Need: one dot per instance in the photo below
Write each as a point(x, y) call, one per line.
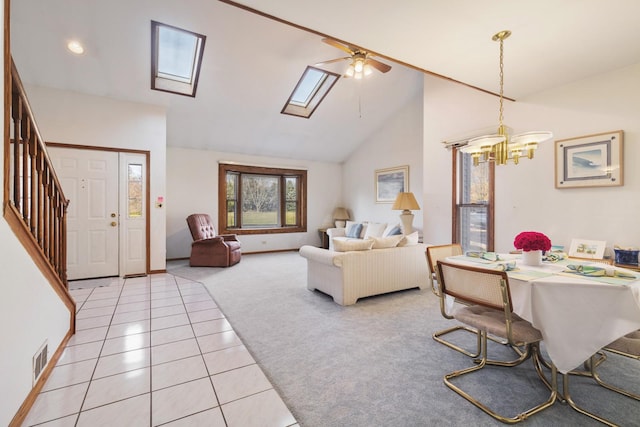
point(590, 161)
point(391, 181)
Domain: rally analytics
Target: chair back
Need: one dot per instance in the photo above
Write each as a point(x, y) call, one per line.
point(201, 226)
point(489, 288)
point(437, 253)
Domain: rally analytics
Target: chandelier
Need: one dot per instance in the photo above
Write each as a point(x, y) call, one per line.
point(500, 147)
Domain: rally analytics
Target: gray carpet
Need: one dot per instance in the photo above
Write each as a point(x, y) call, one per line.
point(375, 363)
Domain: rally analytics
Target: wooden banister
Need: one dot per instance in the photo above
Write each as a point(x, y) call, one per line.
point(35, 197)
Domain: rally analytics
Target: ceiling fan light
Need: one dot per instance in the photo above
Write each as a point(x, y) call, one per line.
point(367, 69)
point(358, 65)
point(350, 71)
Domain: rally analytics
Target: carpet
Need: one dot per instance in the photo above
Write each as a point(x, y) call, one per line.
point(374, 363)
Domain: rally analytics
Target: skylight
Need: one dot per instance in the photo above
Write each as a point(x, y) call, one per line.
point(176, 56)
point(311, 89)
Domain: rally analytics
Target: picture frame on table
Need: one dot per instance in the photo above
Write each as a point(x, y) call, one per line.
point(391, 181)
point(590, 161)
point(581, 248)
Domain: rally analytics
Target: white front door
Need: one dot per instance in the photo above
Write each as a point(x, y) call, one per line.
point(89, 179)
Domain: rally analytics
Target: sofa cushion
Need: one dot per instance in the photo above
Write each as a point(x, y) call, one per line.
point(392, 230)
point(353, 230)
point(374, 229)
point(386, 242)
point(352, 245)
point(409, 239)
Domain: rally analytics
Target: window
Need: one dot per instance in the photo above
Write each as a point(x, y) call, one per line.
point(258, 200)
point(176, 56)
point(311, 89)
point(473, 203)
point(134, 190)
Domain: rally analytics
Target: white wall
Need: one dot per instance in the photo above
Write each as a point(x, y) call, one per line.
point(73, 118)
point(28, 303)
point(397, 142)
point(526, 198)
point(192, 187)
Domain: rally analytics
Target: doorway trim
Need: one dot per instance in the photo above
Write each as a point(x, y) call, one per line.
point(147, 156)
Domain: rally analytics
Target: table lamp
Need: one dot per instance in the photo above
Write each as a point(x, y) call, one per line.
point(340, 215)
point(406, 202)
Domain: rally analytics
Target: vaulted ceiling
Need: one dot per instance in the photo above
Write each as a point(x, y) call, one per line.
point(252, 62)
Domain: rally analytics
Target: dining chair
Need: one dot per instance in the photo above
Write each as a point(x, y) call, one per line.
point(435, 254)
point(629, 346)
point(490, 311)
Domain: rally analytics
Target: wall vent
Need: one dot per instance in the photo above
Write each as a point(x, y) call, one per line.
point(40, 360)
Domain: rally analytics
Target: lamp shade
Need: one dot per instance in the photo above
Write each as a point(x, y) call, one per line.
point(341, 214)
point(405, 201)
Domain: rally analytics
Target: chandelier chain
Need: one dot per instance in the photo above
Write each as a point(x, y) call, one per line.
point(500, 117)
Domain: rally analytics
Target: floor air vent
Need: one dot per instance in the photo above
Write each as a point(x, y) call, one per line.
point(40, 361)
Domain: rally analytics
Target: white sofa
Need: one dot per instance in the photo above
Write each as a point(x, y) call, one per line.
point(347, 276)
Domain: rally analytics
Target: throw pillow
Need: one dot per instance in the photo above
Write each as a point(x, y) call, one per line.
point(374, 229)
point(386, 242)
point(392, 230)
point(352, 245)
point(354, 230)
point(409, 239)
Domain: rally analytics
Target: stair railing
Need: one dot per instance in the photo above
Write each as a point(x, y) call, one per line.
point(33, 194)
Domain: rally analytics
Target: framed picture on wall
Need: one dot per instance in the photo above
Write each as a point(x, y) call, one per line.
point(391, 181)
point(590, 161)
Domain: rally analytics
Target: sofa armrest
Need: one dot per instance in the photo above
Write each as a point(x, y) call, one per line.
point(320, 255)
point(213, 241)
point(229, 237)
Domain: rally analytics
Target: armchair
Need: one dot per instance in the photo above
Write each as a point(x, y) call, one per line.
point(208, 248)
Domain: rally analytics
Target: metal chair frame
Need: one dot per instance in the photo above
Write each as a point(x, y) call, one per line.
point(591, 371)
point(495, 294)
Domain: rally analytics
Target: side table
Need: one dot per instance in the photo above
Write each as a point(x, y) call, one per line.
point(324, 237)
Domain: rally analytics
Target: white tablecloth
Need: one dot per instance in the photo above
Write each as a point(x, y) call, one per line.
point(576, 315)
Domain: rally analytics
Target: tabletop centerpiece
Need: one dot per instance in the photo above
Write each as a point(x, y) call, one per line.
point(532, 244)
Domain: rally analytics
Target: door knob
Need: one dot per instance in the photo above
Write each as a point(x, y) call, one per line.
point(113, 214)
point(113, 223)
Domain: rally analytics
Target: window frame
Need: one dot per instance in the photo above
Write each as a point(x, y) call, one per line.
point(282, 173)
point(317, 95)
point(176, 86)
point(457, 197)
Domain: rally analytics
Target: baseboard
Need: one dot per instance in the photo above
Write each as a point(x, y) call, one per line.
point(271, 252)
point(24, 409)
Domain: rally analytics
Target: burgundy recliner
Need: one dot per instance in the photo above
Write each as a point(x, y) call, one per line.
point(208, 248)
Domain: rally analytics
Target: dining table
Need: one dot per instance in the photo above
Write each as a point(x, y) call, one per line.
point(578, 310)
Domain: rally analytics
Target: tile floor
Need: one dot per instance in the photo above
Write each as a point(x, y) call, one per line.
point(153, 351)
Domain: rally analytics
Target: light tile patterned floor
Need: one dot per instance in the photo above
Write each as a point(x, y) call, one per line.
point(153, 351)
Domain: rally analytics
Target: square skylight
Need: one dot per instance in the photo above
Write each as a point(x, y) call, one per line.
point(311, 89)
point(176, 56)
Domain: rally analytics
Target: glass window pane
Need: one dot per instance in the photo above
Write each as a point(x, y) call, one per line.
point(260, 201)
point(473, 227)
point(291, 214)
point(474, 181)
point(176, 53)
point(308, 86)
point(134, 190)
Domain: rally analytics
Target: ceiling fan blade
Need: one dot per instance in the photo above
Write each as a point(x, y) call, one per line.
point(331, 61)
point(380, 66)
point(338, 45)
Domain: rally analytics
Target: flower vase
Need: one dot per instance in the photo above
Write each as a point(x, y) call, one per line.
point(532, 258)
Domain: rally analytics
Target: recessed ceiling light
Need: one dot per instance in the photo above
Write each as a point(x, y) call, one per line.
point(75, 47)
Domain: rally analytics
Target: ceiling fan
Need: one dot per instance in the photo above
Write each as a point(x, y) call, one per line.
point(362, 61)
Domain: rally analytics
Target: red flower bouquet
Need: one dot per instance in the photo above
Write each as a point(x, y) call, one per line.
point(532, 241)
